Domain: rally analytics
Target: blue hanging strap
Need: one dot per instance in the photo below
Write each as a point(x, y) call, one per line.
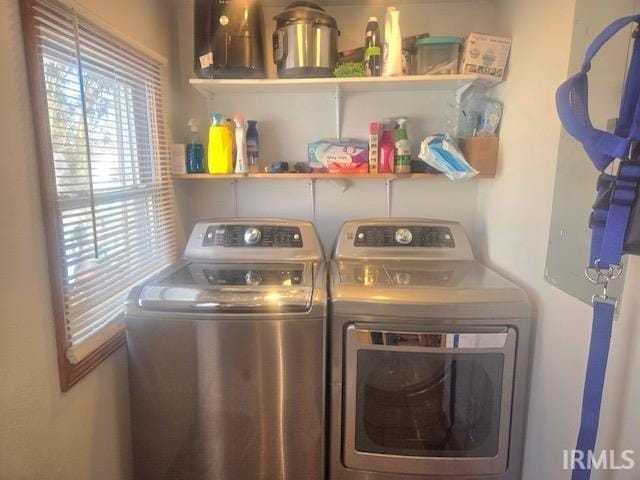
point(615, 198)
point(596, 370)
point(599, 214)
point(628, 124)
point(572, 103)
point(623, 196)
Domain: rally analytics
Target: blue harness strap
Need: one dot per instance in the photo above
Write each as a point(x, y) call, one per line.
point(609, 220)
point(596, 371)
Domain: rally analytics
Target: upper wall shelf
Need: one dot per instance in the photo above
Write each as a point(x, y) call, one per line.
point(452, 83)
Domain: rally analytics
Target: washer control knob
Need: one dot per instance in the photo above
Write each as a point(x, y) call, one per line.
point(252, 236)
point(404, 236)
point(253, 278)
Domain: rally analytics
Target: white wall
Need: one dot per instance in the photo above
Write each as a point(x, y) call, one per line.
point(44, 434)
point(514, 211)
point(508, 217)
point(287, 123)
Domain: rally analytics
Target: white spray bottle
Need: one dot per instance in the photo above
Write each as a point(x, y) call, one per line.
point(242, 166)
point(392, 64)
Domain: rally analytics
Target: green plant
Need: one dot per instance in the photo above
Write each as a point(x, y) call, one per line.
point(350, 69)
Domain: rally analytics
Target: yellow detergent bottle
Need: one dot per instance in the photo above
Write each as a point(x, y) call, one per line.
point(220, 159)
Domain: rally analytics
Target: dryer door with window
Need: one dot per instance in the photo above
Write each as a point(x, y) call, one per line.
point(420, 399)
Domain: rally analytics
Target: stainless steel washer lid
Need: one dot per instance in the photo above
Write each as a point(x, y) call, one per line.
point(231, 288)
point(423, 289)
point(240, 266)
point(416, 268)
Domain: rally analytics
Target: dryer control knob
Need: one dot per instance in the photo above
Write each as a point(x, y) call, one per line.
point(404, 236)
point(252, 236)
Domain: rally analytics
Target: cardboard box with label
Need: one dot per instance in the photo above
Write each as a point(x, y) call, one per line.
point(486, 55)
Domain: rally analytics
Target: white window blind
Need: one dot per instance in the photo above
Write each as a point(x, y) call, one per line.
point(114, 203)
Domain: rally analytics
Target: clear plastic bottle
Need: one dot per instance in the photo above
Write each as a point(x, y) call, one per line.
point(392, 66)
point(220, 148)
point(253, 147)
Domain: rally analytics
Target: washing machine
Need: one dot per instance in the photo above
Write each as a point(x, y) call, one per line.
point(227, 356)
point(429, 356)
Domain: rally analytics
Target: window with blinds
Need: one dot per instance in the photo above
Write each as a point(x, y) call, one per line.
point(110, 192)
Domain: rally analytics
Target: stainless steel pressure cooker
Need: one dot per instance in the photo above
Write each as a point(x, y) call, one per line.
point(305, 43)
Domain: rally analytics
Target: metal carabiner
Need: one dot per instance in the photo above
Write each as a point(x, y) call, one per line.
point(602, 277)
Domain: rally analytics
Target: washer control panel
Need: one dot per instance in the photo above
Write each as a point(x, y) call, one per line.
point(404, 236)
point(268, 236)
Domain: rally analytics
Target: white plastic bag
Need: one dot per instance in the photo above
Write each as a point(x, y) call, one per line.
point(440, 152)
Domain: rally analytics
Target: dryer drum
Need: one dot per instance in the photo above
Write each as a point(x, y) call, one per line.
point(437, 405)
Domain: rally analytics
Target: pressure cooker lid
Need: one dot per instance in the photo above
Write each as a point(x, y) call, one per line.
point(302, 11)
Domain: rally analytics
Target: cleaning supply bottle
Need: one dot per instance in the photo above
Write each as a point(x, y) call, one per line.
point(387, 148)
point(372, 50)
point(195, 150)
point(392, 66)
point(231, 125)
point(220, 160)
point(253, 147)
point(241, 146)
point(402, 156)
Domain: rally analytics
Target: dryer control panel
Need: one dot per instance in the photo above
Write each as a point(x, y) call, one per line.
point(398, 238)
point(404, 236)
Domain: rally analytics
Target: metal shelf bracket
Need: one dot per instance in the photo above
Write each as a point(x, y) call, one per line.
point(389, 187)
point(337, 97)
point(236, 196)
point(312, 197)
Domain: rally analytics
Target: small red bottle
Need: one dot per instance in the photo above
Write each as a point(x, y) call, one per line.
point(387, 148)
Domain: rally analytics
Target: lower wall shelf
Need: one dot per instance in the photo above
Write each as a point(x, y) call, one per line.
point(315, 176)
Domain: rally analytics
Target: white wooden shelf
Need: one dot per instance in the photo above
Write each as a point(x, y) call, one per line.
point(384, 3)
point(337, 3)
point(451, 83)
point(314, 176)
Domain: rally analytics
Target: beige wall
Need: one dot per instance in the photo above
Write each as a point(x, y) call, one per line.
point(44, 434)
